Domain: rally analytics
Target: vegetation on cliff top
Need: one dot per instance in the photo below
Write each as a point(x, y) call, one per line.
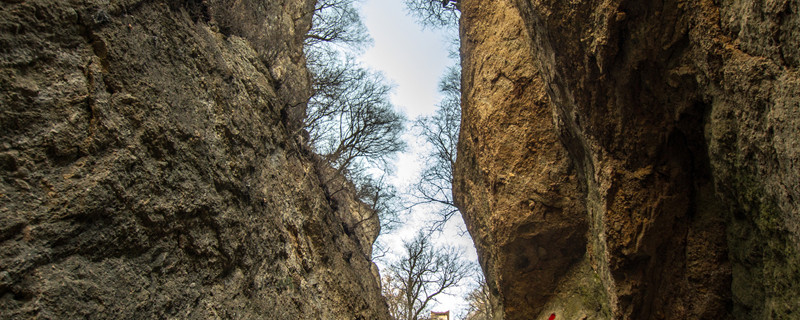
point(350, 120)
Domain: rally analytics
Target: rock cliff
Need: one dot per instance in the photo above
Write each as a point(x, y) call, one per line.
point(151, 167)
point(633, 159)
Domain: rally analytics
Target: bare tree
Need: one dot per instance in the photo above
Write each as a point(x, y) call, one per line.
point(330, 77)
point(482, 304)
point(440, 131)
point(382, 197)
point(349, 118)
point(434, 13)
point(390, 288)
point(337, 22)
point(421, 274)
point(365, 126)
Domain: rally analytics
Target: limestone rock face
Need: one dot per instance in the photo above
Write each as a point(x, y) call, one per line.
point(633, 160)
point(151, 167)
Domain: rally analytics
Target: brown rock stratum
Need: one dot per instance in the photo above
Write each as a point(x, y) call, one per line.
point(633, 159)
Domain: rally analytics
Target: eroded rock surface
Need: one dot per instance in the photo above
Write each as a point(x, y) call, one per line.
point(641, 156)
point(151, 167)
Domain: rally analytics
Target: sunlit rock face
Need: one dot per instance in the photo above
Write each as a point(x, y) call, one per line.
point(151, 167)
point(633, 160)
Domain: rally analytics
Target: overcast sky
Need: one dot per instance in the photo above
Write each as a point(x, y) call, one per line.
point(413, 60)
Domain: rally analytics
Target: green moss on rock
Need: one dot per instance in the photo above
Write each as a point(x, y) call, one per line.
point(766, 265)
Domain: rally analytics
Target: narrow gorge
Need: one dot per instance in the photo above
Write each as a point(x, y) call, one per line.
point(617, 159)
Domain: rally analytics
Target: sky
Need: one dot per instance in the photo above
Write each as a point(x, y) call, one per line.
point(413, 59)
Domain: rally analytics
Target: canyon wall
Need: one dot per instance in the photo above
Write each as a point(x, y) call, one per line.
point(151, 166)
point(633, 159)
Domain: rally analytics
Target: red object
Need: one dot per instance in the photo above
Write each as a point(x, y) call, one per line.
point(552, 316)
